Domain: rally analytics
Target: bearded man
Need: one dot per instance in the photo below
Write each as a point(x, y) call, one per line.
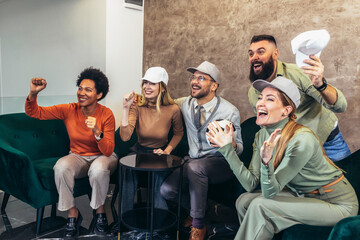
point(319, 100)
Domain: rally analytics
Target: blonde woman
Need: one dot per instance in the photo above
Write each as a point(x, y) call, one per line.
point(299, 183)
point(152, 115)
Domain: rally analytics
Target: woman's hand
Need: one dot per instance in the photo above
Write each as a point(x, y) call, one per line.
point(128, 99)
point(91, 123)
point(159, 151)
point(268, 146)
point(219, 137)
point(36, 86)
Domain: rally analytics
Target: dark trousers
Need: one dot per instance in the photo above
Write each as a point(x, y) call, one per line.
point(198, 174)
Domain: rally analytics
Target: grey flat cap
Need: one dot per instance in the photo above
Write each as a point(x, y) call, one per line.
point(283, 84)
point(207, 68)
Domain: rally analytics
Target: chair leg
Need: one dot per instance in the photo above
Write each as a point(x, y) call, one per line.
point(4, 202)
point(139, 195)
point(5, 218)
point(6, 221)
point(112, 205)
point(53, 210)
point(39, 217)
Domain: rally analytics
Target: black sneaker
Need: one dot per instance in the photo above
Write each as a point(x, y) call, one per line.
point(72, 226)
point(101, 224)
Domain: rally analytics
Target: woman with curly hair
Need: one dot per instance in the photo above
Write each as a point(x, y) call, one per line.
point(91, 129)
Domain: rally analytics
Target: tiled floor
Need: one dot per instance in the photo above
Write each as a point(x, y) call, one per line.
point(22, 218)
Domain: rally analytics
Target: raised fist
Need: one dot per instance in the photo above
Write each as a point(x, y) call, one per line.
point(129, 99)
point(37, 85)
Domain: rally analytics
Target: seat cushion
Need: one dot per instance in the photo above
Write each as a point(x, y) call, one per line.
point(301, 232)
point(45, 172)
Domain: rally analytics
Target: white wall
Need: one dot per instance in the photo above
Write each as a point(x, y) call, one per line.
point(59, 38)
point(52, 39)
point(124, 51)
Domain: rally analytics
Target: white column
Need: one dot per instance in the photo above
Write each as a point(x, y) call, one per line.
point(124, 52)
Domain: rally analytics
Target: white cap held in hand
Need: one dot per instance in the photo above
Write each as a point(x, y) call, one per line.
point(309, 43)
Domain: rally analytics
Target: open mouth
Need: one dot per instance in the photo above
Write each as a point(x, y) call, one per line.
point(82, 99)
point(256, 66)
point(195, 87)
point(262, 113)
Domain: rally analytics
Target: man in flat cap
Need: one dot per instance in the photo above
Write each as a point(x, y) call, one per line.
point(319, 100)
point(204, 164)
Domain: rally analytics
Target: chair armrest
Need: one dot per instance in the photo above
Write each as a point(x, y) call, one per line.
point(121, 147)
point(17, 174)
point(8, 148)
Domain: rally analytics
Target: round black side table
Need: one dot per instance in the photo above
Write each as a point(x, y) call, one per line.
point(149, 218)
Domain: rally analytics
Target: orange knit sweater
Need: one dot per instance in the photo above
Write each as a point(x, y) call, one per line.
point(82, 139)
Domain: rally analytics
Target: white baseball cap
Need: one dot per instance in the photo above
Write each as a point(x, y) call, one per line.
point(283, 84)
point(309, 43)
point(156, 75)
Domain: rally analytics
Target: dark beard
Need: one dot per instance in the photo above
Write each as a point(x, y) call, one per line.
point(203, 93)
point(267, 70)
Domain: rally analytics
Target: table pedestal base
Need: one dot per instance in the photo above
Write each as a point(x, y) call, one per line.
point(139, 219)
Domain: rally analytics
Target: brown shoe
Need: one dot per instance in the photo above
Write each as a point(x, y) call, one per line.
point(197, 234)
point(188, 222)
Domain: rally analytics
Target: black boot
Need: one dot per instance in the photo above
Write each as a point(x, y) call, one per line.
point(101, 224)
point(72, 226)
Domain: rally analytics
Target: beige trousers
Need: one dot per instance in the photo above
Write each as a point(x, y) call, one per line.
point(261, 218)
point(73, 166)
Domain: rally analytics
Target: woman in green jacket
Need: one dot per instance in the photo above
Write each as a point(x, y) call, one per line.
point(299, 184)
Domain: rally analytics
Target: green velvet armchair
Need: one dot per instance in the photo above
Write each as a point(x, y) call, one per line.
point(29, 148)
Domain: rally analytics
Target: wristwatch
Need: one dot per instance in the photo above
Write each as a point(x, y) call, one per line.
point(98, 138)
point(323, 86)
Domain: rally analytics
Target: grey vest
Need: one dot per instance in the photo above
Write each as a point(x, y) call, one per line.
point(198, 145)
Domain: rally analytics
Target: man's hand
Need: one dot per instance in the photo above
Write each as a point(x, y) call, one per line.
point(315, 70)
point(268, 146)
point(219, 137)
